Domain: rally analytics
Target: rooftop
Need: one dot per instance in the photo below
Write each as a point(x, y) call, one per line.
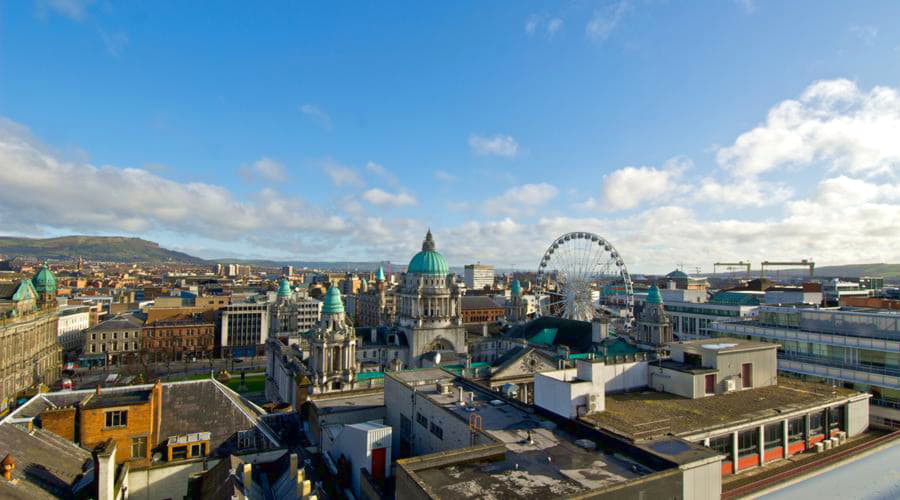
point(351, 401)
point(649, 414)
point(118, 398)
point(468, 302)
point(724, 344)
point(553, 465)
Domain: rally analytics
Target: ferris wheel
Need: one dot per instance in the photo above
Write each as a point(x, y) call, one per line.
point(574, 268)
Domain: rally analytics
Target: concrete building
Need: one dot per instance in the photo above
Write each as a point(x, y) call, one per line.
point(363, 446)
point(292, 314)
point(478, 276)
point(835, 289)
point(721, 393)
point(857, 348)
point(73, 321)
point(244, 328)
point(377, 304)
point(457, 440)
point(286, 380)
point(30, 355)
point(113, 342)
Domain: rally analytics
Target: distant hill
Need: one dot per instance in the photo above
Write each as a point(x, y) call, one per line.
point(889, 271)
point(98, 248)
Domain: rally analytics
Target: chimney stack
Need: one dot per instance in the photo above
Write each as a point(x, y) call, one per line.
point(97, 391)
point(8, 464)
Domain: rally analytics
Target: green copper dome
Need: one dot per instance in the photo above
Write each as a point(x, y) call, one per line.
point(428, 261)
point(333, 302)
point(380, 275)
point(676, 274)
point(516, 287)
point(653, 296)
point(44, 281)
point(284, 288)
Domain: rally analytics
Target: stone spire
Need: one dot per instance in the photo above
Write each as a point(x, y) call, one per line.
point(428, 244)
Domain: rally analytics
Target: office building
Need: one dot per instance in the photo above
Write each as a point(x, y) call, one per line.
point(478, 276)
point(244, 328)
point(852, 347)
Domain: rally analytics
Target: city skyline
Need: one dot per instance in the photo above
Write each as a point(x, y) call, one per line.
point(321, 133)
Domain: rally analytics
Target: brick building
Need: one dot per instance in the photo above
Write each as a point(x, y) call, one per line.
point(115, 341)
point(179, 337)
point(480, 309)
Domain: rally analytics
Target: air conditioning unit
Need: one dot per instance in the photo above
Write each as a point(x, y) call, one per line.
point(730, 385)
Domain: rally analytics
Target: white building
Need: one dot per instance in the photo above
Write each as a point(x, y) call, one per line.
point(365, 445)
point(245, 327)
point(73, 321)
point(478, 276)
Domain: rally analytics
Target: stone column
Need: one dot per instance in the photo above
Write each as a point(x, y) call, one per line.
point(734, 451)
point(785, 440)
point(762, 444)
point(806, 431)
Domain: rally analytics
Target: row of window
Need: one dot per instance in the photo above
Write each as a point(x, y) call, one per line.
point(113, 347)
point(748, 440)
point(114, 336)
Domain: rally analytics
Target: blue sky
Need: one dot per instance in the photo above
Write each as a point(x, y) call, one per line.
point(685, 132)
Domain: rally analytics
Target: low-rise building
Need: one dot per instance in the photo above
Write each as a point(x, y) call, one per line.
point(480, 309)
point(180, 337)
point(113, 342)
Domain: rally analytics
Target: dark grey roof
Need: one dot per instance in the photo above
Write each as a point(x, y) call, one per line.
point(7, 290)
point(47, 466)
point(364, 334)
point(117, 398)
point(576, 335)
point(208, 406)
point(477, 302)
point(123, 322)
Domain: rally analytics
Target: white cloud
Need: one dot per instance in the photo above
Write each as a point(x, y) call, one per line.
point(833, 123)
point(341, 175)
point(749, 6)
point(521, 200)
point(741, 193)
point(378, 196)
point(540, 23)
point(444, 176)
point(114, 42)
point(497, 145)
point(270, 169)
point(553, 26)
point(318, 115)
point(43, 190)
point(380, 171)
point(628, 187)
point(866, 33)
point(75, 10)
point(605, 20)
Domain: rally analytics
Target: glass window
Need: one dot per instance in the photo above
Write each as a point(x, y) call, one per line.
point(179, 453)
point(437, 431)
point(196, 450)
point(117, 418)
point(748, 442)
point(139, 447)
point(722, 444)
point(816, 423)
point(773, 436)
point(422, 420)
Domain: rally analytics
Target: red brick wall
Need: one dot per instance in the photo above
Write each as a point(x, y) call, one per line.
point(60, 422)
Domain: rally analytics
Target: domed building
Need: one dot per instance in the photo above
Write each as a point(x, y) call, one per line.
point(654, 327)
point(45, 284)
point(332, 364)
point(292, 314)
point(515, 307)
point(428, 307)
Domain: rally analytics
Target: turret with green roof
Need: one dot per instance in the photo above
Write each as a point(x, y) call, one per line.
point(653, 295)
point(44, 281)
point(284, 288)
point(333, 302)
point(379, 276)
point(516, 288)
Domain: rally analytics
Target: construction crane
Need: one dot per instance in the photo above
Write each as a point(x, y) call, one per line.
point(731, 265)
point(803, 263)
